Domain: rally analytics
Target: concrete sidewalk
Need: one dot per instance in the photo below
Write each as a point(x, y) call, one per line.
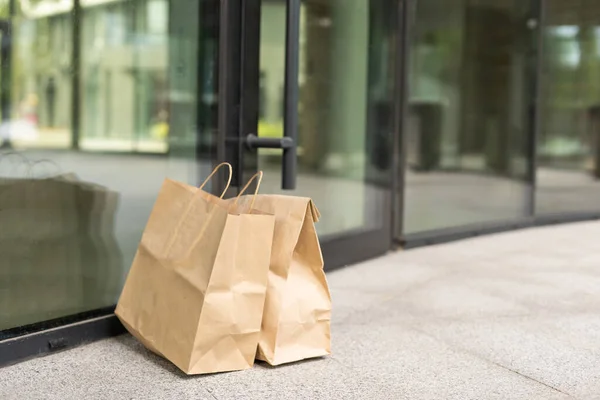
point(510, 316)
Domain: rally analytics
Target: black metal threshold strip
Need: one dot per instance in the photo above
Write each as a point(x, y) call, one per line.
point(40, 343)
point(440, 236)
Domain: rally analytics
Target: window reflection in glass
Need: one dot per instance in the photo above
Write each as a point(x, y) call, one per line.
point(38, 76)
point(124, 76)
point(568, 174)
point(346, 106)
point(467, 125)
point(71, 216)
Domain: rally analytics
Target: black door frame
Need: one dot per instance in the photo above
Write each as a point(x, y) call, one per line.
point(239, 107)
point(6, 60)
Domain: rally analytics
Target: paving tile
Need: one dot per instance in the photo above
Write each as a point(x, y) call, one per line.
point(347, 302)
point(117, 369)
point(422, 367)
point(315, 379)
point(560, 351)
point(398, 274)
point(540, 290)
point(449, 297)
point(357, 289)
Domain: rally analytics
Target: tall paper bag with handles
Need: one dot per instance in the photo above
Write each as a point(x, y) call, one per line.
point(297, 314)
point(196, 289)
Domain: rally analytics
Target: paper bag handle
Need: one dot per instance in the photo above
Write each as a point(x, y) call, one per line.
point(33, 164)
point(258, 175)
point(169, 243)
point(24, 161)
point(218, 167)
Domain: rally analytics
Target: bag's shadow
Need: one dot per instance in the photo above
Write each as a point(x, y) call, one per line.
point(265, 365)
point(135, 346)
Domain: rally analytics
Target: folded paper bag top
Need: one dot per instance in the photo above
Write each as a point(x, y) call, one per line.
point(196, 289)
point(297, 314)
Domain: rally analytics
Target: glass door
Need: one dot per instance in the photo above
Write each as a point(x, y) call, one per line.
point(469, 124)
point(316, 112)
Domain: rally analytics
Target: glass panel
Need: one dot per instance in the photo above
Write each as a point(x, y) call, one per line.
point(345, 110)
point(568, 173)
point(467, 125)
point(40, 74)
point(124, 76)
point(72, 218)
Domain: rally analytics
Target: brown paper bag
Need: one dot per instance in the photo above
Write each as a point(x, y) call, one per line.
point(196, 289)
point(297, 313)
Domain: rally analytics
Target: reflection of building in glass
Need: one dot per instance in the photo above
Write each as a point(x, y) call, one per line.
point(124, 70)
point(41, 70)
point(123, 76)
point(473, 84)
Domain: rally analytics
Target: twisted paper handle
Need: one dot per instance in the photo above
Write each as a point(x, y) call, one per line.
point(229, 169)
point(171, 241)
point(258, 175)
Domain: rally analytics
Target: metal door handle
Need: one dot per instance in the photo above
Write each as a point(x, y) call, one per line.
point(254, 142)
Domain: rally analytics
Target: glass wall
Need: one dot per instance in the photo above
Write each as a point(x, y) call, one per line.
point(468, 123)
point(101, 99)
point(345, 110)
point(568, 173)
point(71, 216)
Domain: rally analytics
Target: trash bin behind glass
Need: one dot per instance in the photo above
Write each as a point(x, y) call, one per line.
point(426, 135)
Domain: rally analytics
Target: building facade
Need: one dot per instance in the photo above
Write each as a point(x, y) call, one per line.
point(407, 121)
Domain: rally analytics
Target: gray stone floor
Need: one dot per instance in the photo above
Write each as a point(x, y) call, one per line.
point(510, 316)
